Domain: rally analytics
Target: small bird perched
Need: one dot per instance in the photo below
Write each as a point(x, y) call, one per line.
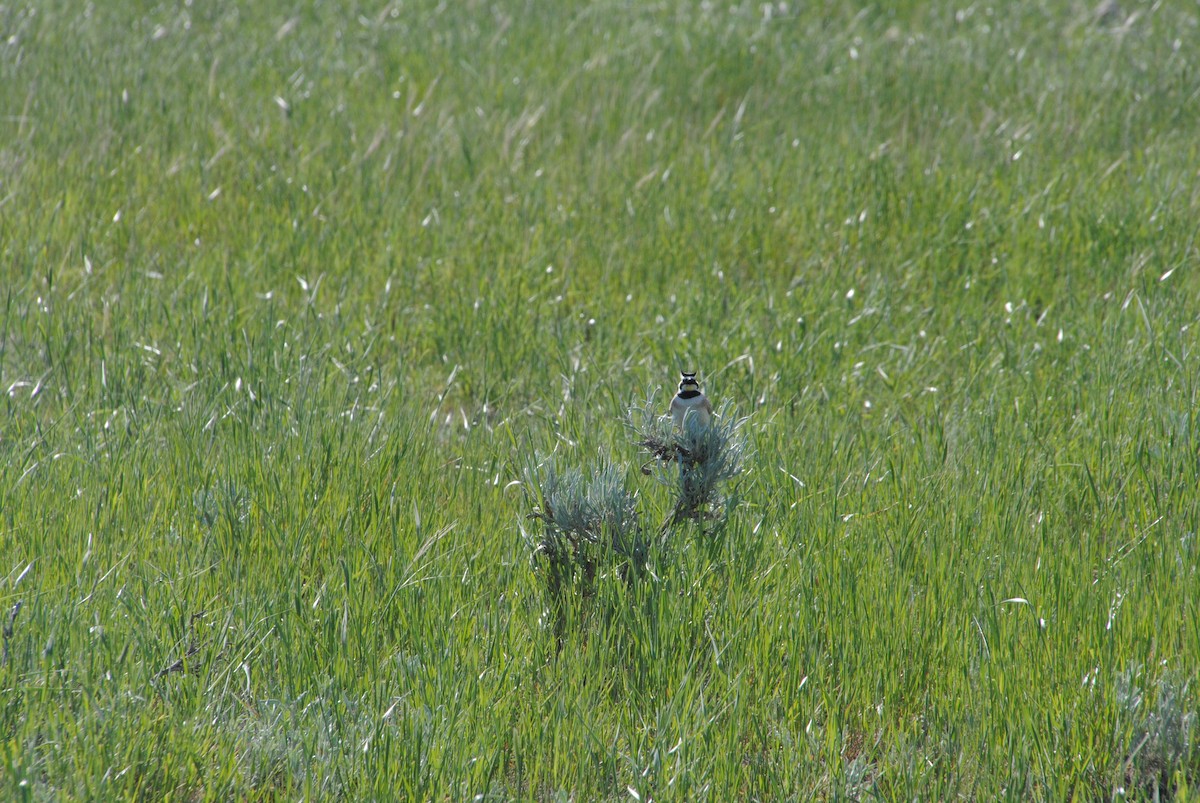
point(690, 399)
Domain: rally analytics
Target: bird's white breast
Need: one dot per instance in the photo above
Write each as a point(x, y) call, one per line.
point(697, 405)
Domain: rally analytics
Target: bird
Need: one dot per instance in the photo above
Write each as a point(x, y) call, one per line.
point(690, 399)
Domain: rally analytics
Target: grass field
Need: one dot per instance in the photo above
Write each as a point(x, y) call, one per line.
point(291, 294)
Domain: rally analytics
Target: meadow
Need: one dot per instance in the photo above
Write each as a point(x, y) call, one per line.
point(292, 295)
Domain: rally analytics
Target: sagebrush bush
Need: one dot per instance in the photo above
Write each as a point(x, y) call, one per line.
point(698, 460)
point(1161, 725)
point(592, 524)
point(585, 518)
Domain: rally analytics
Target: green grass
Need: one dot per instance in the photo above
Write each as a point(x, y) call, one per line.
point(291, 295)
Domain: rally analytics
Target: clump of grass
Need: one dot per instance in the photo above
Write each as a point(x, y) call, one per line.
point(223, 501)
point(1160, 725)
